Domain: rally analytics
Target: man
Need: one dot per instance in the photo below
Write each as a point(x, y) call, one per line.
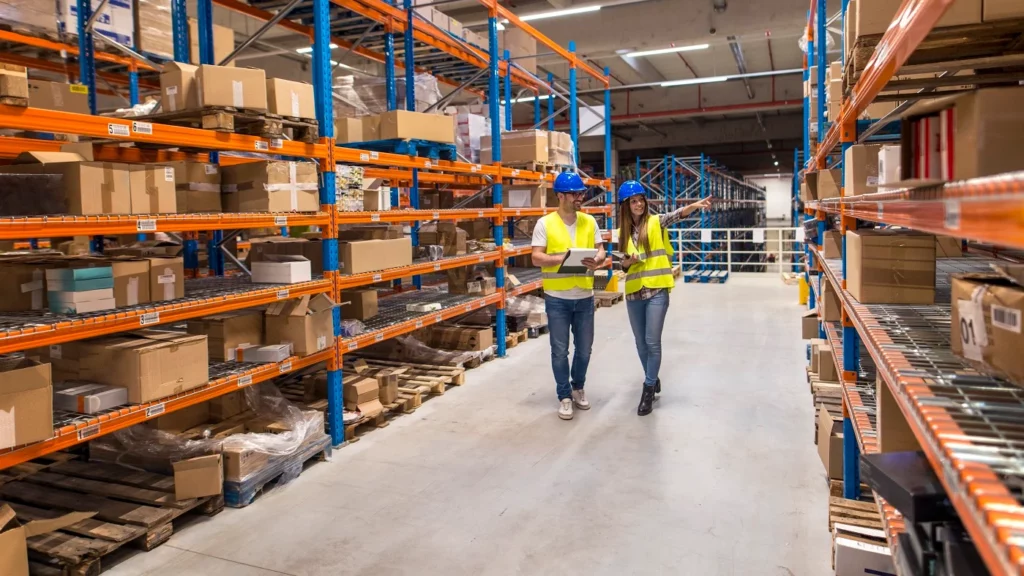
point(568, 298)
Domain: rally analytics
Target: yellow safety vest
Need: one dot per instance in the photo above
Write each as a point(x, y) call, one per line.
point(654, 270)
point(560, 243)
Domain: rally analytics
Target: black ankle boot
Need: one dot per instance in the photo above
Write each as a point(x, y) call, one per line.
point(657, 386)
point(646, 401)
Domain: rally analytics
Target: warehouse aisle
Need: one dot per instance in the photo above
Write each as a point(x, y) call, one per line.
point(722, 479)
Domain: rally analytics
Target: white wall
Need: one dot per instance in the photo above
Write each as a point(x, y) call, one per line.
point(778, 195)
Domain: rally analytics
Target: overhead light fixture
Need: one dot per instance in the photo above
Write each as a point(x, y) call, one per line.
point(668, 50)
point(528, 99)
point(558, 13)
point(776, 162)
point(692, 81)
point(309, 49)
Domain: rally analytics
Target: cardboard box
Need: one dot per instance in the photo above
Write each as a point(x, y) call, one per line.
point(226, 332)
point(154, 24)
point(830, 304)
point(131, 281)
point(1001, 10)
point(281, 269)
point(23, 283)
point(369, 232)
point(986, 128)
point(830, 443)
point(362, 394)
point(147, 249)
point(826, 363)
point(26, 402)
point(832, 244)
point(152, 189)
point(363, 129)
point(306, 323)
point(263, 354)
point(197, 187)
point(824, 184)
point(223, 42)
point(519, 43)
point(240, 461)
point(894, 433)
point(518, 146)
point(358, 304)
point(477, 229)
point(560, 149)
point(291, 99)
point(407, 125)
point(86, 397)
point(151, 364)
point(460, 337)
point(809, 325)
point(875, 16)
point(372, 255)
point(13, 81)
point(445, 234)
point(889, 169)
point(986, 311)
point(14, 537)
point(166, 279)
point(857, 556)
point(948, 247)
point(178, 87)
point(861, 163)
point(890, 266)
point(182, 419)
point(58, 96)
point(227, 406)
point(198, 477)
point(312, 250)
point(90, 187)
point(272, 186)
point(524, 196)
point(244, 88)
point(850, 28)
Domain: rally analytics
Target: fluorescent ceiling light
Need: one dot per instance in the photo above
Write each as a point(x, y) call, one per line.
point(692, 81)
point(309, 49)
point(668, 50)
point(528, 99)
point(557, 13)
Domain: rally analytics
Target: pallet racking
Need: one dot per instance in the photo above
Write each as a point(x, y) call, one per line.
point(451, 59)
point(950, 406)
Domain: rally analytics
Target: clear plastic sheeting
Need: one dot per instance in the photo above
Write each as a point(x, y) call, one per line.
point(358, 96)
point(144, 109)
point(154, 30)
point(29, 15)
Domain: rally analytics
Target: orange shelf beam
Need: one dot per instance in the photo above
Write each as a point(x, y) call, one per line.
point(72, 435)
point(395, 216)
point(524, 288)
point(355, 280)
point(121, 321)
point(14, 228)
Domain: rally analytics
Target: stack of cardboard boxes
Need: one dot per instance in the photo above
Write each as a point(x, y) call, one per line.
point(396, 124)
point(986, 311)
point(188, 87)
point(530, 147)
point(371, 248)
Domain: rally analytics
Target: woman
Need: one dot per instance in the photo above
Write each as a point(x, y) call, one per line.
point(648, 277)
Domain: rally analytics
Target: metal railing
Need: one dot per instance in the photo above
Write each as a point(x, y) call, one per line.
point(754, 250)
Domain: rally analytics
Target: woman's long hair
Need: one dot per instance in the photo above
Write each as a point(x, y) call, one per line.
point(626, 226)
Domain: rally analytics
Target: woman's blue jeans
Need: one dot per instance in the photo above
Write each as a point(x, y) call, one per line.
point(647, 318)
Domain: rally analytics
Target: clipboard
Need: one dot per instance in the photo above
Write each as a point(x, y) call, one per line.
point(573, 261)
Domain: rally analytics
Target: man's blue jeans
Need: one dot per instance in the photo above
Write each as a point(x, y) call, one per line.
point(647, 318)
point(564, 316)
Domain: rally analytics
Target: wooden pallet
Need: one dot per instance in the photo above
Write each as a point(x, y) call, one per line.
point(132, 508)
point(240, 121)
point(542, 167)
point(14, 101)
point(862, 512)
point(241, 493)
point(536, 331)
point(607, 299)
point(422, 373)
point(513, 339)
point(984, 54)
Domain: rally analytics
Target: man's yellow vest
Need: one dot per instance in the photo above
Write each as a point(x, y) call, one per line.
point(559, 242)
point(654, 269)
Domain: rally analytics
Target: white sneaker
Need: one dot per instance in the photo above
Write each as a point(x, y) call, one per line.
point(565, 409)
point(579, 398)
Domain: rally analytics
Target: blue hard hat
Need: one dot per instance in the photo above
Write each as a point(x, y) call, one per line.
point(569, 182)
point(629, 189)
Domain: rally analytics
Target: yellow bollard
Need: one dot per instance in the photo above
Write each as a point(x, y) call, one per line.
point(805, 290)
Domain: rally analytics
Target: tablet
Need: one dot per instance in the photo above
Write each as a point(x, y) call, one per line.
point(573, 261)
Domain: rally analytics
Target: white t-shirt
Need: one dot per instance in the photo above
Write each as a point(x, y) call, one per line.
point(540, 238)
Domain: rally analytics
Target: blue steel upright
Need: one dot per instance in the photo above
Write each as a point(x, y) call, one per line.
point(536, 108)
point(325, 117)
point(389, 71)
point(494, 104)
point(86, 58)
point(508, 91)
point(204, 15)
point(574, 127)
point(410, 104)
point(179, 30)
point(609, 195)
point(551, 101)
point(822, 65)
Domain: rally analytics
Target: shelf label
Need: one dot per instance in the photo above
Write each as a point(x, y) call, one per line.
point(419, 323)
point(474, 168)
point(280, 220)
point(156, 410)
point(881, 210)
point(142, 128)
point(353, 345)
point(262, 146)
point(519, 212)
point(88, 432)
point(374, 155)
point(437, 267)
point(427, 164)
point(481, 259)
point(972, 329)
point(376, 277)
point(437, 318)
point(145, 225)
point(436, 215)
point(515, 172)
point(114, 129)
point(378, 337)
point(374, 217)
point(285, 367)
point(245, 380)
point(277, 142)
point(149, 318)
point(282, 294)
point(364, 157)
point(469, 307)
point(480, 213)
point(952, 214)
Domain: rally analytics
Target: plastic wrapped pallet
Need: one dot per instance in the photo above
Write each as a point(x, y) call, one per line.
point(469, 128)
point(153, 23)
point(30, 15)
point(410, 349)
point(365, 96)
point(118, 22)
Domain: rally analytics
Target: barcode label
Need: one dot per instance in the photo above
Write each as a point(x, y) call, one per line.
point(142, 128)
point(481, 259)
point(480, 213)
point(880, 210)
point(156, 410)
point(146, 225)
point(1006, 318)
point(374, 217)
point(437, 318)
point(435, 215)
point(952, 220)
point(118, 129)
point(519, 212)
point(364, 157)
point(282, 294)
point(149, 318)
point(89, 432)
point(378, 337)
point(245, 381)
point(280, 220)
point(56, 352)
point(374, 155)
point(419, 323)
point(515, 173)
point(285, 367)
point(353, 345)
point(427, 164)
point(277, 143)
point(437, 267)
point(262, 146)
point(376, 277)
point(469, 307)
point(474, 168)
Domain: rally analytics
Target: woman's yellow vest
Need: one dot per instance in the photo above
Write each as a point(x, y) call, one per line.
point(559, 242)
point(655, 268)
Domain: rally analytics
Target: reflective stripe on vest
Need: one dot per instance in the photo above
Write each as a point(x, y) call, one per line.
point(559, 242)
point(654, 270)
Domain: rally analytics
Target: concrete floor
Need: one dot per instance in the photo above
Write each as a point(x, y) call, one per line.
point(722, 479)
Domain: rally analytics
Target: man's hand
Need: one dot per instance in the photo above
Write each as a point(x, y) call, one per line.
point(591, 263)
